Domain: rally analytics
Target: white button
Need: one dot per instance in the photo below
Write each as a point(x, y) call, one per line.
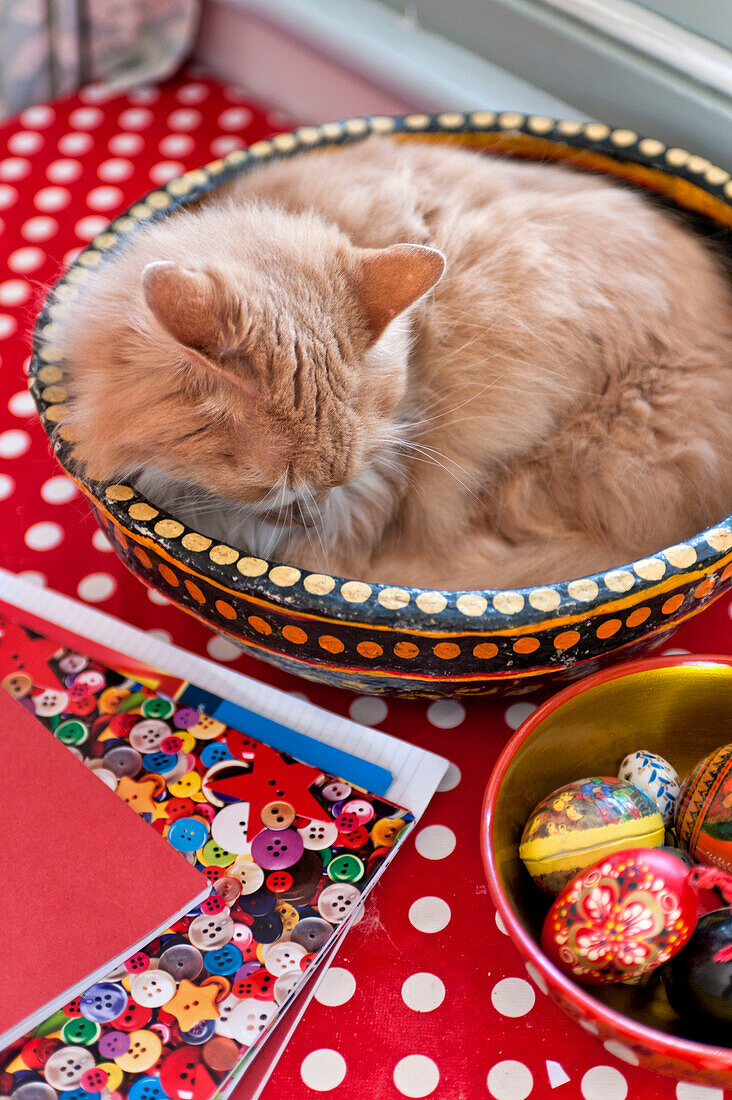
point(337, 901)
point(73, 663)
point(249, 1019)
point(50, 703)
point(152, 988)
point(285, 984)
point(208, 932)
point(336, 791)
point(229, 828)
point(317, 835)
point(146, 736)
point(66, 1067)
point(362, 809)
point(226, 1007)
point(249, 874)
point(280, 957)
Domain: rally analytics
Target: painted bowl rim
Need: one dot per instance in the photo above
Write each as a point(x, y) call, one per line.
point(716, 1059)
point(452, 611)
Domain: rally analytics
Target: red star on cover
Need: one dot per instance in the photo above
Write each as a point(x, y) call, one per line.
point(271, 778)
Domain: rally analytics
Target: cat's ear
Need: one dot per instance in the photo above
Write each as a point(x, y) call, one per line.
point(193, 306)
point(389, 280)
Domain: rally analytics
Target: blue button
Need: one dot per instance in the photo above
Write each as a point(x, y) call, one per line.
point(103, 1002)
point(214, 752)
point(188, 834)
point(201, 1033)
point(146, 1088)
point(225, 960)
point(159, 762)
point(81, 1094)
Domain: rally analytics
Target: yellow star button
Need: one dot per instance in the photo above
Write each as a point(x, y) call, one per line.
point(137, 795)
point(192, 1004)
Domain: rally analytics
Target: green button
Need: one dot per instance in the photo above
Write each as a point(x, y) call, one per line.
point(158, 708)
point(72, 732)
point(326, 854)
point(132, 702)
point(53, 1023)
point(345, 868)
point(213, 855)
point(81, 1031)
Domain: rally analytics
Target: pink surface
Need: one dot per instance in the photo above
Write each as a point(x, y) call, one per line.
point(428, 997)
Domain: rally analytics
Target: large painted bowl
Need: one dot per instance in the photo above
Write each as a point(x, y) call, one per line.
point(678, 707)
point(377, 638)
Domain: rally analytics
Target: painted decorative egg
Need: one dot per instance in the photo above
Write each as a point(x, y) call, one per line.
point(699, 980)
point(655, 777)
point(578, 824)
point(621, 918)
point(704, 810)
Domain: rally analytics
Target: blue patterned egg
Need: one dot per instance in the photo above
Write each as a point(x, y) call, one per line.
point(654, 776)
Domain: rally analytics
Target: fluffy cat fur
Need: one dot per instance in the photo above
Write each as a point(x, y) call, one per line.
point(286, 368)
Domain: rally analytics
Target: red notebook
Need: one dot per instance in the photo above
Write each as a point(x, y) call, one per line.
point(91, 895)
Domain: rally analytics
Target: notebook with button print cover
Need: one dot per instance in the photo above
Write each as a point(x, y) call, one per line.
point(287, 876)
point(73, 853)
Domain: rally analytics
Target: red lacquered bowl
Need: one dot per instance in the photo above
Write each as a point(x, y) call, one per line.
point(678, 707)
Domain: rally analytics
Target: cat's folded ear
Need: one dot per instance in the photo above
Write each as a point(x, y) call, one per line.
point(195, 307)
point(389, 280)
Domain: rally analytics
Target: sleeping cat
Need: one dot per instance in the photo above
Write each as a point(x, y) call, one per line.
point(414, 364)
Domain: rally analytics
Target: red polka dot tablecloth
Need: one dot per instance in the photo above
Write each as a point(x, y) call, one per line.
point(428, 996)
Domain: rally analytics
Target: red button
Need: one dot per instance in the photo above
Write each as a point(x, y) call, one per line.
point(136, 965)
point(357, 838)
point(279, 881)
point(212, 905)
point(121, 724)
point(178, 1073)
point(73, 1008)
point(94, 1079)
point(133, 1018)
point(36, 1052)
point(180, 807)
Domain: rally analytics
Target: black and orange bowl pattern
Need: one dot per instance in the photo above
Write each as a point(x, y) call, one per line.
point(379, 638)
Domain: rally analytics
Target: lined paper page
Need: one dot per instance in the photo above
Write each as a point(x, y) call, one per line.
point(416, 772)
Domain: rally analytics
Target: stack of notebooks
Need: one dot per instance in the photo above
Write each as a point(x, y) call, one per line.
point(183, 852)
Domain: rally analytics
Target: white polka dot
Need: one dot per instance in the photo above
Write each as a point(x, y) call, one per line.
point(14, 168)
point(8, 325)
point(58, 490)
point(41, 228)
point(96, 93)
point(39, 114)
point(450, 779)
point(135, 118)
point(64, 171)
point(416, 1075)
point(25, 141)
point(157, 598)
point(323, 1070)
point(146, 94)
point(101, 542)
point(184, 119)
point(513, 997)
point(435, 842)
point(176, 145)
point(369, 710)
point(604, 1083)
point(126, 145)
point(673, 652)
point(7, 485)
point(115, 170)
point(26, 259)
point(423, 992)
point(68, 257)
point(227, 143)
point(25, 365)
point(625, 1054)
point(510, 1080)
point(221, 649)
point(499, 923)
point(96, 587)
point(537, 977)
point(14, 292)
point(429, 914)
point(8, 196)
point(165, 171)
point(51, 199)
point(75, 144)
point(446, 713)
point(44, 536)
point(86, 118)
point(518, 713)
point(161, 635)
point(22, 404)
point(104, 198)
point(686, 1091)
point(191, 93)
point(337, 987)
point(30, 576)
point(235, 118)
point(14, 443)
point(88, 227)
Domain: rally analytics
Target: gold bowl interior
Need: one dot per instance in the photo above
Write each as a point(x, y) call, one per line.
point(681, 712)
